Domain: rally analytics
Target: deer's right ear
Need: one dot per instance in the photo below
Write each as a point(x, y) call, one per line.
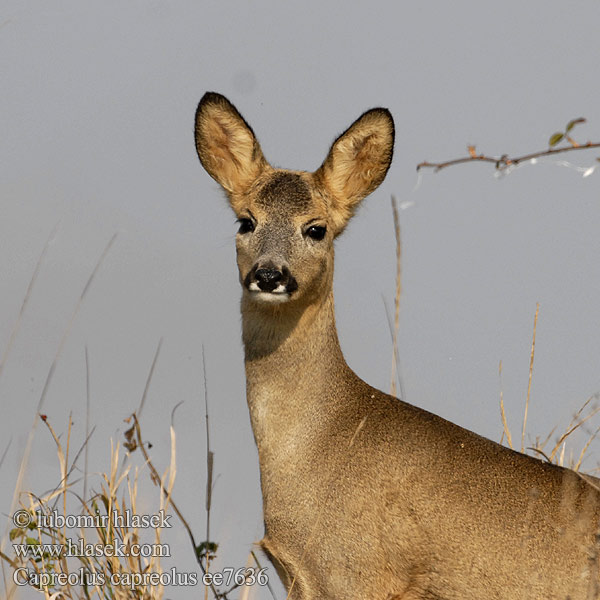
point(226, 144)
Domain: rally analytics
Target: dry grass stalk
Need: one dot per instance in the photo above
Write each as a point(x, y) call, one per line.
point(506, 430)
point(49, 376)
point(397, 297)
point(92, 575)
point(537, 310)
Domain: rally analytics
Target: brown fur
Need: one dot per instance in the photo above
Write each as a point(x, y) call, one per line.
point(366, 496)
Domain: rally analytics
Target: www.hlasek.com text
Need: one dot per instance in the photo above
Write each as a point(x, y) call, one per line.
point(82, 549)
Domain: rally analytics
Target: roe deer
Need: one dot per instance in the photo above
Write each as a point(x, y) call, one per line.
point(366, 496)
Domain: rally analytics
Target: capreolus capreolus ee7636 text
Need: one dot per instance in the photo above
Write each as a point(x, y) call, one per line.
point(366, 496)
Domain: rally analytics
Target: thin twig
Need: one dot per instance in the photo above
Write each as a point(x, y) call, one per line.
point(576, 422)
point(209, 462)
point(87, 420)
point(504, 162)
point(17, 324)
point(388, 317)
point(584, 449)
point(149, 378)
point(540, 452)
point(5, 451)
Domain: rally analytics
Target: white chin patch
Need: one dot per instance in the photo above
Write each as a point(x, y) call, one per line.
point(271, 297)
point(278, 295)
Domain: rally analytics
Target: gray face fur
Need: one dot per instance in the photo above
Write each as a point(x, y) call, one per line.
point(278, 244)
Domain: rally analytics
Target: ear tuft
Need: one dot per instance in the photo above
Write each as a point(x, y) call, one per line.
point(357, 163)
point(226, 144)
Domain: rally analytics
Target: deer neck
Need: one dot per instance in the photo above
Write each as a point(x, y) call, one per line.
point(293, 360)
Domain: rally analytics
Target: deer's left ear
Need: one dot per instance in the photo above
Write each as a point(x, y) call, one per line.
point(357, 163)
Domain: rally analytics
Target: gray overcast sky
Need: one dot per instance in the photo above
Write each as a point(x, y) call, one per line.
point(98, 100)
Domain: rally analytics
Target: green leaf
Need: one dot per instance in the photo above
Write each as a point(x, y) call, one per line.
point(556, 138)
point(205, 548)
point(574, 122)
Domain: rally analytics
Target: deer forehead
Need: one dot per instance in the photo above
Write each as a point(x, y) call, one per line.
point(287, 195)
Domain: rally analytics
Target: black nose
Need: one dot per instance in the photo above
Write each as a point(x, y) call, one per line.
point(268, 279)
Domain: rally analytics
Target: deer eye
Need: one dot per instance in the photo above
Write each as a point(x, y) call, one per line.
point(316, 232)
point(246, 226)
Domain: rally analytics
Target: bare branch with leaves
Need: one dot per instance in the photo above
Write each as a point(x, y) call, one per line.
point(505, 161)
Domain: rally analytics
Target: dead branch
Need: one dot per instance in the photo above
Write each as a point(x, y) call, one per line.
point(505, 161)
